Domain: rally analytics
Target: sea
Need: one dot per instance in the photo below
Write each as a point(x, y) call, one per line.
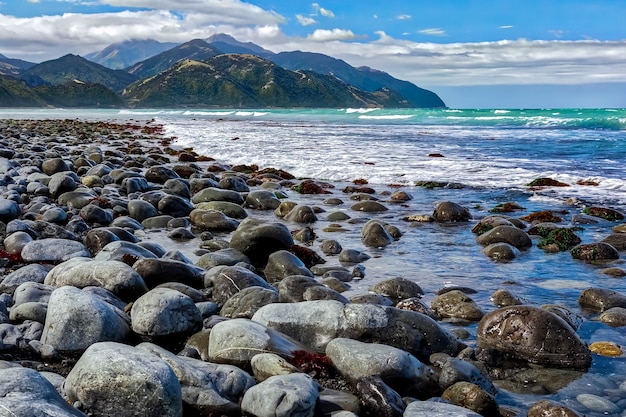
point(487, 156)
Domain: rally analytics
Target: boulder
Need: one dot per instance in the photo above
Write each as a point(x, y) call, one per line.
point(246, 302)
point(53, 250)
point(293, 395)
point(212, 220)
point(258, 239)
point(232, 279)
point(506, 234)
point(158, 271)
point(449, 211)
point(281, 264)
point(374, 234)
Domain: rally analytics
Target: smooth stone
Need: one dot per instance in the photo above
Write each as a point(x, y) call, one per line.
point(29, 311)
point(352, 256)
point(113, 379)
point(15, 242)
point(92, 213)
point(437, 409)
point(9, 210)
point(53, 250)
point(35, 273)
point(55, 215)
point(163, 312)
point(419, 306)
point(232, 210)
point(52, 166)
point(316, 323)
point(506, 234)
point(226, 256)
point(575, 320)
point(32, 292)
point(293, 395)
point(504, 298)
point(549, 408)
point(614, 316)
point(96, 239)
point(258, 239)
point(533, 334)
point(156, 222)
point(371, 299)
point(234, 183)
point(212, 220)
point(473, 397)
point(398, 368)
point(175, 206)
point(597, 403)
point(301, 214)
point(374, 234)
point(217, 194)
point(114, 276)
point(78, 319)
point(123, 251)
point(598, 251)
point(378, 398)
point(601, 299)
point(501, 251)
point(296, 288)
point(25, 392)
point(232, 279)
point(19, 336)
point(141, 210)
point(369, 207)
point(76, 199)
point(61, 183)
point(455, 370)
point(330, 247)
point(282, 264)
point(158, 271)
point(207, 387)
point(338, 216)
point(457, 305)
point(448, 211)
point(266, 365)
point(160, 174)
point(614, 272)
point(397, 289)
point(617, 240)
point(246, 302)
point(237, 341)
point(262, 200)
point(126, 222)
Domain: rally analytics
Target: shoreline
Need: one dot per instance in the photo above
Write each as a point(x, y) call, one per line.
point(198, 194)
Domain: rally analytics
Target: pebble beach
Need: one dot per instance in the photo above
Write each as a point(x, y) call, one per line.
point(142, 278)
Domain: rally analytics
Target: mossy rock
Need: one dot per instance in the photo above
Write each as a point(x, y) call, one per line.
point(546, 182)
point(563, 238)
point(604, 213)
point(597, 251)
point(543, 217)
point(507, 207)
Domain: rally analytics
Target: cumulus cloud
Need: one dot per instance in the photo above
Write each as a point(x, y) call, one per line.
point(324, 12)
point(433, 31)
point(305, 20)
point(323, 35)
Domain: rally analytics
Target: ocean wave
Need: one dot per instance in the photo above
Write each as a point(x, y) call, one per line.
point(250, 113)
point(361, 110)
point(207, 113)
point(388, 117)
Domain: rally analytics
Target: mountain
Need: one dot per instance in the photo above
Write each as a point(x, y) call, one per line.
point(128, 53)
point(364, 78)
point(229, 45)
point(16, 93)
point(248, 81)
point(78, 94)
point(73, 67)
point(10, 66)
point(197, 50)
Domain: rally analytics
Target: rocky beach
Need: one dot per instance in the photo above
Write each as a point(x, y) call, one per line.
point(141, 278)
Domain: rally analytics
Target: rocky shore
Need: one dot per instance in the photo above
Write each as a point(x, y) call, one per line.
point(139, 279)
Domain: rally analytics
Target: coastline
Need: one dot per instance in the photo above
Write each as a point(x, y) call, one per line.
point(140, 171)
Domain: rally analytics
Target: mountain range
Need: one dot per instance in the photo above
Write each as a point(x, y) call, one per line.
point(217, 72)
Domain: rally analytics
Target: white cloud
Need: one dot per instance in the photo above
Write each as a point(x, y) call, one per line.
point(324, 12)
point(404, 17)
point(505, 27)
point(305, 20)
point(433, 31)
point(34, 1)
point(323, 35)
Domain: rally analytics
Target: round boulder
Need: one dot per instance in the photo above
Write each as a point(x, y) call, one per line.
point(448, 211)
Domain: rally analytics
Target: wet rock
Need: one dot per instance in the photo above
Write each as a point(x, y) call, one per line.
point(9, 210)
point(371, 299)
point(437, 409)
point(504, 298)
point(559, 239)
point(378, 399)
point(282, 396)
point(598, 251)
point(209, 388)
point(258, 239)
point(262, 200)
point(417, 305)
point(614, 272)
point(141, 210)
point(473, 397)
point(281, 264)
point(573, 319)
point(96, 239)
point(375, 235)
point(501, 251)
point(232, 210)
point(78, 319)
point(216, 194)
point(448, 211)
point(369, 207)
point(226, 256)
point(603, 213)
point(600, 299)
point(164, 312)
point(15, 242)
point(175, 206)
point(25, 392)
point(212, 220)
point(316, 323)
point(506, 234)
point(52, 166)
point(237, 341)
point(330, 247)
point(126, 252)
point(265, 365)
point(158, 271)
point(114, 276)
point(614, 316)
point(53, 250)
point(455, 370)
point(617, 240)
point(457, 305)
point(352, 256)
point(532, 334)
point(397, 289)
point(548, 408)
point(301, 214)
point(296, 288)
point(246, 302)
point(92, 213)
point(597, 404)
point(143, 384)
point(232, 279)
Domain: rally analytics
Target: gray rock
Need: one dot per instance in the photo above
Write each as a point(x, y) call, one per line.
point(76, 199)
point(296, 288)
point(293, 395)
point(53, 250)
point(141, 210)
point(237, 341)
point(226, 256)
point(601, 299)
point(597, 404)
point(449, 211)
point(158, 271)
point(114, 276)
point(212, 220)
point(175, 206)
point(504, 298)
point(216, 194)
point(96, 239)
point(29, 273)
point(533, 334)
point(92, 213)
point(378, 398)
point(61, 183)
point(29, 311)
point(232, 279)
point(375, 235)
point(9, 210)
point(401, 370)
point(397, 289)
point(301, 214)
point(455, 370)
point(501, 251)
point(112, 379)
point(160, 174)
point(122, 250)
point(165, 312)
point(615, 317)
point(437, 409)
point(15, 242)
point(506, 234)
point(258, 239)
point(125, 223)
point(232, 210)
point(262, 200)
point(473, 397)
point(316, 323)
point(246, 302)
point(456, 304)
point(281, 264)
point(19, 336)
point(157, 222)
point(234, 183)
point(265, 365)
point(597, 251)
point(52, 166)
point(209, 388)
point(544, 408)
point(78, 319)
point(32, 292)
point(25, 392)
point(352, 256)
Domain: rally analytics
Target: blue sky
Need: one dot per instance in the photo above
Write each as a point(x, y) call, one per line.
point(489, 53)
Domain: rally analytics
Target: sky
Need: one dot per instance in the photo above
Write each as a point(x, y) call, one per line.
point(472, 53)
